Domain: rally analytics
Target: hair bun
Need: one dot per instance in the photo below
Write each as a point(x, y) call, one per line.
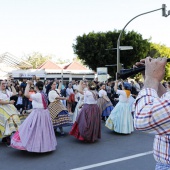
point(40, 85)
point(92, 85)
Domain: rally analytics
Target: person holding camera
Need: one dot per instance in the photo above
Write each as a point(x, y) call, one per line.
point(152, 110)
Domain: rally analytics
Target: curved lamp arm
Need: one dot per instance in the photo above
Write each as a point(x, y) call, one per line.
point(118, 41)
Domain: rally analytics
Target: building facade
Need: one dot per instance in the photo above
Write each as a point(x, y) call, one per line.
point(49, 70)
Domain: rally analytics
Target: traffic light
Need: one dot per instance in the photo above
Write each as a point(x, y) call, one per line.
point(164, 10)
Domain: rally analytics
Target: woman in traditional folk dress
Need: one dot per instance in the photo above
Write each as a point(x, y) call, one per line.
point(9, 116)
point(78, 107)
point(88, 124)
point(36, 133)
point(120, 119)
point(58, 111)
point(104, 103)
point(82, 87)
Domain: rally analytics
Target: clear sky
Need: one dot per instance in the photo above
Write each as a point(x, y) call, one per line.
point(51, 26)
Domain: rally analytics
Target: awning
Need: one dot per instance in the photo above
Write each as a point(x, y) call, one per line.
point(13, 61)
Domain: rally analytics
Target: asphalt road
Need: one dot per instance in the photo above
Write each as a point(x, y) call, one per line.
point(122, 150)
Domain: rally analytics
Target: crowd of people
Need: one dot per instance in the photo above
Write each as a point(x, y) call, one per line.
point(82, 105)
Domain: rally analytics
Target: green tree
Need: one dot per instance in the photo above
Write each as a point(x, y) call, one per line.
point(91, 48)
point(62, 61)
point(36, 59)
point(159, 50)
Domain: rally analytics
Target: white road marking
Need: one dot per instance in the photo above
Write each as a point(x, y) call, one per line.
point(114, 161)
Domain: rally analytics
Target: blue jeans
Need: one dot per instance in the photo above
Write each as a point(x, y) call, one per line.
point(29, 105)
point(160, 166)
point(63, 102)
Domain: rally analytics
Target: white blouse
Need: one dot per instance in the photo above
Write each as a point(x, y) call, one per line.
point(36, 100)
point(122, 97)
point(102, 93)
point(5, 96)
point(88, 98)
point(52, 95)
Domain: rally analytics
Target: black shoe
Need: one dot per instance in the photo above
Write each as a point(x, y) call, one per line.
point(4, 140)
point(7, 141)
point(103, 118)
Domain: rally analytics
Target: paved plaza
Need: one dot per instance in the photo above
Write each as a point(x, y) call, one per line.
point(112, 152)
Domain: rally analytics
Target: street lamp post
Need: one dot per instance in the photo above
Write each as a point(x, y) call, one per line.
point(118, 41)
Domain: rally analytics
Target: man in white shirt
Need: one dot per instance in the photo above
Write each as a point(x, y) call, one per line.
point(75, 85)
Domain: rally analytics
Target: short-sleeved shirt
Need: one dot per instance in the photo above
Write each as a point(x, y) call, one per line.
point(75, 86)
point(69, 91)
point(52, 95)
point(102, 93)
point(5, 96)
point(89, 98)
point(36, 100)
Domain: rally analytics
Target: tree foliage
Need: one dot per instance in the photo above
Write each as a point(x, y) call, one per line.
point(62, 61)
point(36, 59)
point(158, 50)
point(91, 48)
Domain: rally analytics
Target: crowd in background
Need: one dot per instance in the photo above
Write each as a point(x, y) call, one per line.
point(22, 103)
